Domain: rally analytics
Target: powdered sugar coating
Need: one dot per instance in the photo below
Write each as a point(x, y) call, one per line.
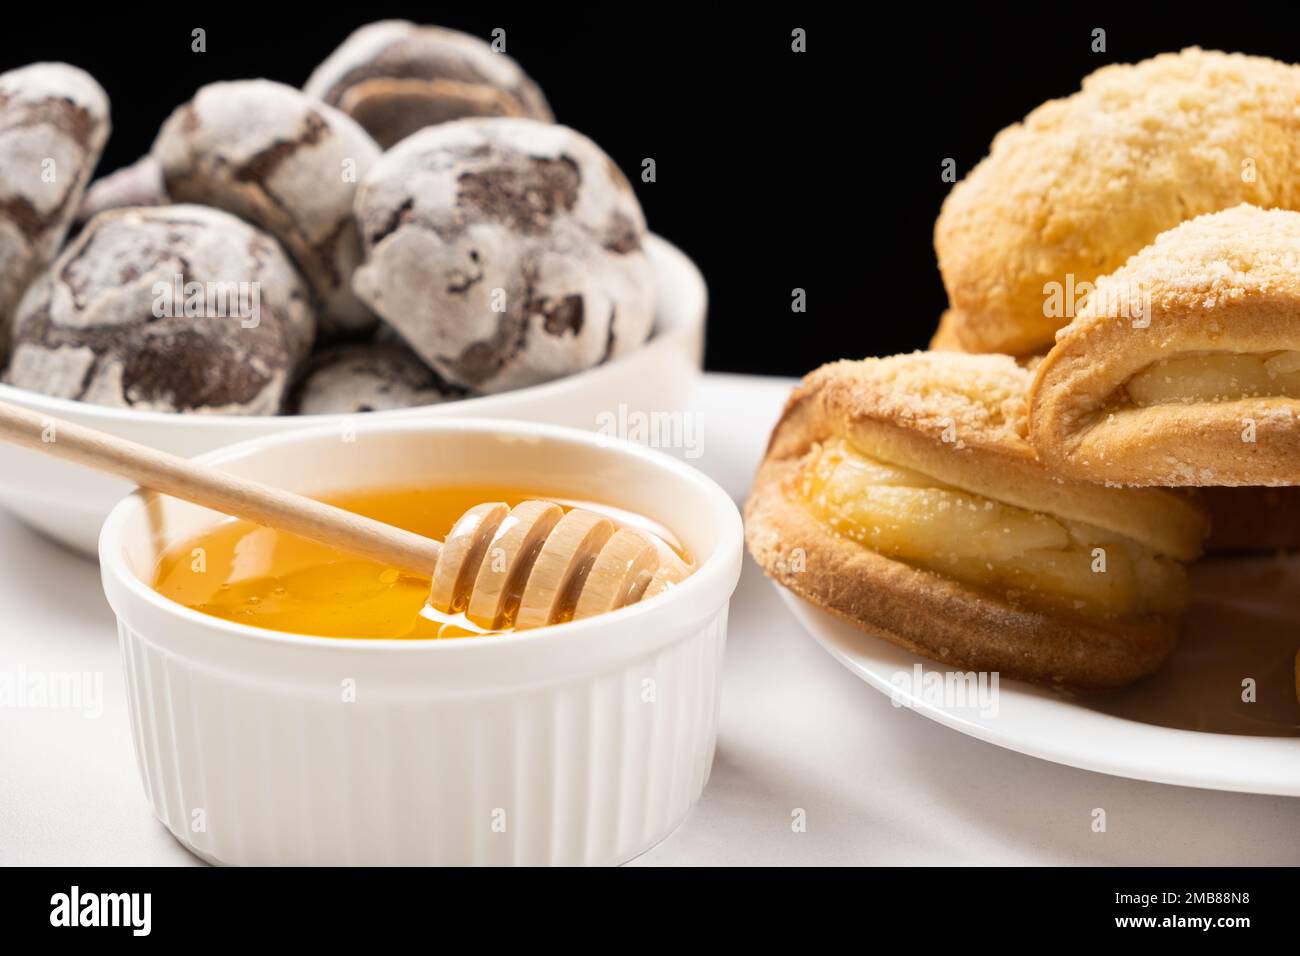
point(284, 162)
point(103, 323)
point(53, 125)
point(507, 252)
point(369, 377)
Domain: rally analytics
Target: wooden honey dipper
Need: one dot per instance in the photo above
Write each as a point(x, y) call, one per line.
point(526, 566)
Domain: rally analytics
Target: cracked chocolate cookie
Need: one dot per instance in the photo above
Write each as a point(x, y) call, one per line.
point(394, 77)
point(507, 252)
point(369, 377)
point(180, 308)
point(284, 162)
point(53, 124)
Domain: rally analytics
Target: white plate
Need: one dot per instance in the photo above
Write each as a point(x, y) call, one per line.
point(1186, 725)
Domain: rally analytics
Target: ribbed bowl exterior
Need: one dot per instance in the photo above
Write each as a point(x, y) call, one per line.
point(275, 766)
point(584, 743)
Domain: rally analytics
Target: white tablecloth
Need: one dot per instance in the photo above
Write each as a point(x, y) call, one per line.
point(876, 784)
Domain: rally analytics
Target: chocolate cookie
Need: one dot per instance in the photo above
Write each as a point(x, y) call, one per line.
point(180, 308)
point(53, 124)
point(369, 377)
point(394, 78)
point(284, 162)
point(507, 252)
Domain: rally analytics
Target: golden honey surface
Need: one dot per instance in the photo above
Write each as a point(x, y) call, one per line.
point(270, 579)
point(1024, 556)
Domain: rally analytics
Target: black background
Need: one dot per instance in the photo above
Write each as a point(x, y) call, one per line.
point(776, 170)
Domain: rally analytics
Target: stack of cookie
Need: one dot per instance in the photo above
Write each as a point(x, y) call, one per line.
point(409, 228)
point(1133, 254)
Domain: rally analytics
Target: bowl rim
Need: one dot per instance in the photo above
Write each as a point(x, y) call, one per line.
point(693, 319)
point(712, 572)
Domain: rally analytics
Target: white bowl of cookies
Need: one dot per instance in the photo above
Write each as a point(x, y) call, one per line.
point(409, 235)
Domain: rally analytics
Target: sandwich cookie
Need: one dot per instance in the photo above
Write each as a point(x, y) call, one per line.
point(1183, 366)
point(901, 495)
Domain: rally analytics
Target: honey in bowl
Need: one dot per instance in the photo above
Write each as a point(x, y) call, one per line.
point(270, 579)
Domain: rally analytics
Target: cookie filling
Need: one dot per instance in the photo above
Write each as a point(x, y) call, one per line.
point(1026, 557)
point(1216, 377)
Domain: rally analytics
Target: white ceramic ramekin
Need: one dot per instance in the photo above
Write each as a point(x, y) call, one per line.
point(69, 503)
point(585, 743)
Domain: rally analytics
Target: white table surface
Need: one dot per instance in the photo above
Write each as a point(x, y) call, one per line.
point(878, 785)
